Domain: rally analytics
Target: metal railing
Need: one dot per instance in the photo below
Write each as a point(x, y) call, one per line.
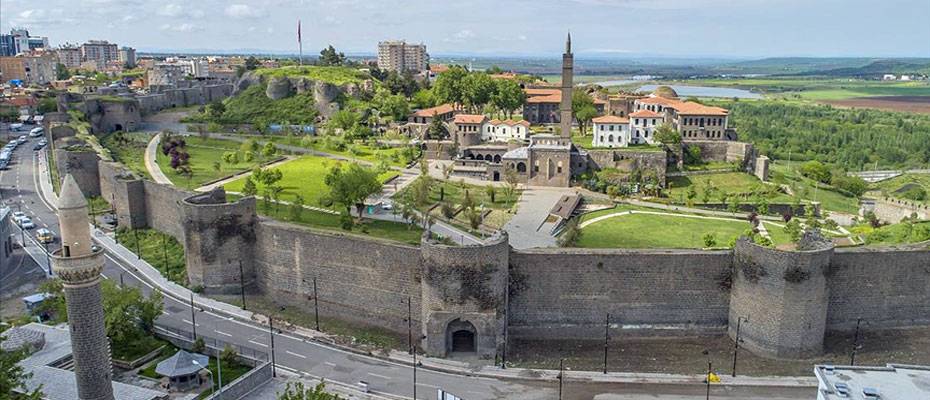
point(215, 344)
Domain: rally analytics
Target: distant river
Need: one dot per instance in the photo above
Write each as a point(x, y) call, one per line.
point(706, 91)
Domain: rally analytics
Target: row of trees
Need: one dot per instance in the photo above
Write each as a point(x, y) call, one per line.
point(475, 90)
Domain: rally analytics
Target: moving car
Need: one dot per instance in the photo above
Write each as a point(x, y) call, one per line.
point(16, 127)
point(26, 223)
point(18, 215)
point(38, 146)
point(45, 236)
point(22, 139)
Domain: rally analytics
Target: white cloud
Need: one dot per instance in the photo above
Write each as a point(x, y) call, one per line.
point(185, 27)
point(170, 10)
point(41, 17)
point(244, 11)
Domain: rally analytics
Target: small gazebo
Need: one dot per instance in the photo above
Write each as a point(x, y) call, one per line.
point(182, 370)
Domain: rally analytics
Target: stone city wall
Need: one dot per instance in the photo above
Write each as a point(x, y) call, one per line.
point(218, 241)
point(562, 293)
point(893, 210)
point(885, 287)
point(360, 280)
point(162, 212)
point(621, 159)
point(81, 164)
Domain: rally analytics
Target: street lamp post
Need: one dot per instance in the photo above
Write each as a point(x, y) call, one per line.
point(414, 374)
point(561, 377)
point(736, 343)
point(409, 327)
point(709, 371)
point(316, 306)
point(242, 284)
point(606, 339)
point(855, 348)
point(274, 372)
point(193, 317)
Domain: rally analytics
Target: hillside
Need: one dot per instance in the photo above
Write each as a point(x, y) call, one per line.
point(333, 75)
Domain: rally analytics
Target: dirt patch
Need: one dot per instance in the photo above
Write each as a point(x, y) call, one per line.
point(685, 355)
point(916, 104)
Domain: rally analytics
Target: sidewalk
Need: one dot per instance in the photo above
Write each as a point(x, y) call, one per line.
point(151, 153)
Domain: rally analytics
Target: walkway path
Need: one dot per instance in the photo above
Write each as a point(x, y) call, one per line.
point(151, 154)
point(528, 227)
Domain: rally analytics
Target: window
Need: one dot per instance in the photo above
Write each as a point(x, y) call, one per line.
point(611, 128)
point(610, 139)
point(559, 168)
point(601, 127)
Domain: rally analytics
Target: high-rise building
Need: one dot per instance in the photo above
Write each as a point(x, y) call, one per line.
point(79, 264)
point(397, 55)
point(69, 56)
point(7, 46)
point(100, 52)
point(127, 56)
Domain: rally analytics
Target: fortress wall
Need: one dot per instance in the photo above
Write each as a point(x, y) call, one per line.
point(218, 241)
point(360, 280)
point(559, 293)
point(894, 210)
point(124, 192)
point(162, 212)
point(82, 165)
point(884, 287)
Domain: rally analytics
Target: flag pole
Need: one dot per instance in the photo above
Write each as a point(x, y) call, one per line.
point(300, 46)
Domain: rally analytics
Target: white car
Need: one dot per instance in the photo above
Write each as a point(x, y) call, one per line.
point(18, 215)
point(26, 223)
point(16, 127)
point(35, 132)
point(22, 139)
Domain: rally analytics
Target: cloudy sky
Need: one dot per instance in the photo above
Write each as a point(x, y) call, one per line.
point(728, 28)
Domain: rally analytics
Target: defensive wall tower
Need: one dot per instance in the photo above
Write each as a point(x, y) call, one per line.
point(464, 296)
point(218, 241)
point(782, 297)
point(79, 264)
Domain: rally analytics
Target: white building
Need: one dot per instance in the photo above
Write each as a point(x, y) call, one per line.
point(894, 381)
point(504, 131)
point(643, 124)
point(127, 56)
point(611, 131)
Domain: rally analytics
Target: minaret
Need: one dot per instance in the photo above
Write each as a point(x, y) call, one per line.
point(78, 265)
point(565, 114)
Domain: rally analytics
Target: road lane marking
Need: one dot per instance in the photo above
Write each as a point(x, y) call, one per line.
point(329, 363)
point(379, 376)
point(258, 343)
point(427, 385)
point(295, 354)
point(222, 333)
point(188, 322)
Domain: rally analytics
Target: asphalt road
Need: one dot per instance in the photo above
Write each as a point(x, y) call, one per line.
point(294, 354)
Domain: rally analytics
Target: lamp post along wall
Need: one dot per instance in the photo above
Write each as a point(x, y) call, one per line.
point(79, 265)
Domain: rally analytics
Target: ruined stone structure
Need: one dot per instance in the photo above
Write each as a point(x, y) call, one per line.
point(325, 95)
point(465, 299)
point(79, 264)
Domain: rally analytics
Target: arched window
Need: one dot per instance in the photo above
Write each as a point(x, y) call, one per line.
point(497, 158)
point(521, 167)
point(610, 139)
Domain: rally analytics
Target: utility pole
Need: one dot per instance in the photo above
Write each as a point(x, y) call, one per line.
point(855, 348)
point(606, 339)
point(409, 327)
point(193, 317)
point(414, 374)
point(561, 378)
point(709, 371)
point(316, 306)
point(242, 284)
point(274, 372)
point(739, 321)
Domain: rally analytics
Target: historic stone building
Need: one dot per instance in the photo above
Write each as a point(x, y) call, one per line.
point(79, 263)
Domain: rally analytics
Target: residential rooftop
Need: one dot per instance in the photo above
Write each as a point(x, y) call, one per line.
point(891, 382)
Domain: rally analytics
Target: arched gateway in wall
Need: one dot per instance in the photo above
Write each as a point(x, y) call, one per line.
point(461, 337)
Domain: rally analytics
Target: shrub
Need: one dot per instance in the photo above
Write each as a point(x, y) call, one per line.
point(198, 346)
point(710, 240)
point(229, 355)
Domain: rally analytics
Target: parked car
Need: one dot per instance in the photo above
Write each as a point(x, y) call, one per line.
point(45, 236)
point(18, 215)
point(38, 146)
point(22, 139)
point(26, 223)
point(16, 127)
point(35, 132)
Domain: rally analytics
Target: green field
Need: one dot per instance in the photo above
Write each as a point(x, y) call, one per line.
point(820, 89)
point(128, 148)
point(729, 182)
point(393, 156)
point(204, 154)
point(303, 176)
point(807, 189)
point(890, 186)
point(159, 250)
point(899, 233)
point(662, 231)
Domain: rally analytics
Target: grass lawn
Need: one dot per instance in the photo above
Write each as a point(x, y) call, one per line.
point(128, 148)
point(156, 248)
point(890, 186)
point(786, 173)
point(390, 230)
point(303, 176)
point(658, 231)
point(138, 348)
point(729, 182)
point(204, 153)
point(392, 156)
point(822, 89)
point(899, 233)
point(333, 75)
point(587, 142)
point(231, 372)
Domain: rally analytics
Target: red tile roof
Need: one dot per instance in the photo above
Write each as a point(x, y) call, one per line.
point(691, 108)
point(509, 122)
point(469, 119)
point(610, 119)
point(438, 110)
point(645, 114)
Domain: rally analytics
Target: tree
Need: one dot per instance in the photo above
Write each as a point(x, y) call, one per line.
point(249, 189)
point(128, 314)
point(508, 96)
point(491, 191)
point(449, 85)
point(249, 145)
point(477, 89)
point(299, 392)
point(61, 72)
point(584, 117)
point(512, 180)
point(216, 109)
point(248, 156)
point(424, 98)
point(392, 105)
point(330, 57)
point(13, 376)
point(667, 135)
point(251, 63)
point(710, 240)
point(816, 170)
point(229, 355)
point(852, 184)
point(217, 166)
point(342, 121)
point(436, 129)
point(231, 157)
point(269, 149)
point(351, 185)
point(583, 109)
point(297, 208)
point(793, 230)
